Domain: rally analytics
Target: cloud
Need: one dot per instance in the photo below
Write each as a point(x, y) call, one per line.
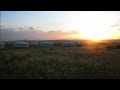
point(70, 32)
point(31, 28)
point(31, 33)
point(20, 28)
point(115, 25)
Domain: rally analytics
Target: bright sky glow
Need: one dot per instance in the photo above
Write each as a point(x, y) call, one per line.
point(94, 25)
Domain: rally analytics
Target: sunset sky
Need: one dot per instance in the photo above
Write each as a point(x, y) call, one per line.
point(52, 25)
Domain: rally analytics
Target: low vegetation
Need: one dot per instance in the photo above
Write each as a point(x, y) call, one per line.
point(87, 62)
point(113, 47)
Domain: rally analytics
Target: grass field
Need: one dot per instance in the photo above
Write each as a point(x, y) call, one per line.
point(88, 62)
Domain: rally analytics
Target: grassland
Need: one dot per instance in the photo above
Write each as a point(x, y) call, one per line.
point(88, 62)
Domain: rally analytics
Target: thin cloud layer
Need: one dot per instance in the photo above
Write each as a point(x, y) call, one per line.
point(32, 33)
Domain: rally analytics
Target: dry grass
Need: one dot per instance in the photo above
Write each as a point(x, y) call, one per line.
point(89, 62)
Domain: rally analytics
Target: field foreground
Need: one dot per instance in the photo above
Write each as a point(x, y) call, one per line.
point(60, 63)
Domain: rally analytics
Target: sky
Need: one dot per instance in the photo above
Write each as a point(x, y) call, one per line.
point(53, 25)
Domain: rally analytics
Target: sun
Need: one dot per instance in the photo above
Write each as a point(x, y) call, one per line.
point(91, 25)
point(95, 35)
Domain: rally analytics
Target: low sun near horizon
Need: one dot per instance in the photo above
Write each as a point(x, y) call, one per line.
point(37, 25)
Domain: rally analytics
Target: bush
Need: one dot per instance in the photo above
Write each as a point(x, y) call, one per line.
point(118, 46)
point(113, 47)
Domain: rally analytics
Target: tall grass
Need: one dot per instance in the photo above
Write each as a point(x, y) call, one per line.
point(59, 63)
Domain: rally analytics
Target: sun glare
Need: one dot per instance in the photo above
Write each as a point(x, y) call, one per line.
point(91, 25)
point(98, 35)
